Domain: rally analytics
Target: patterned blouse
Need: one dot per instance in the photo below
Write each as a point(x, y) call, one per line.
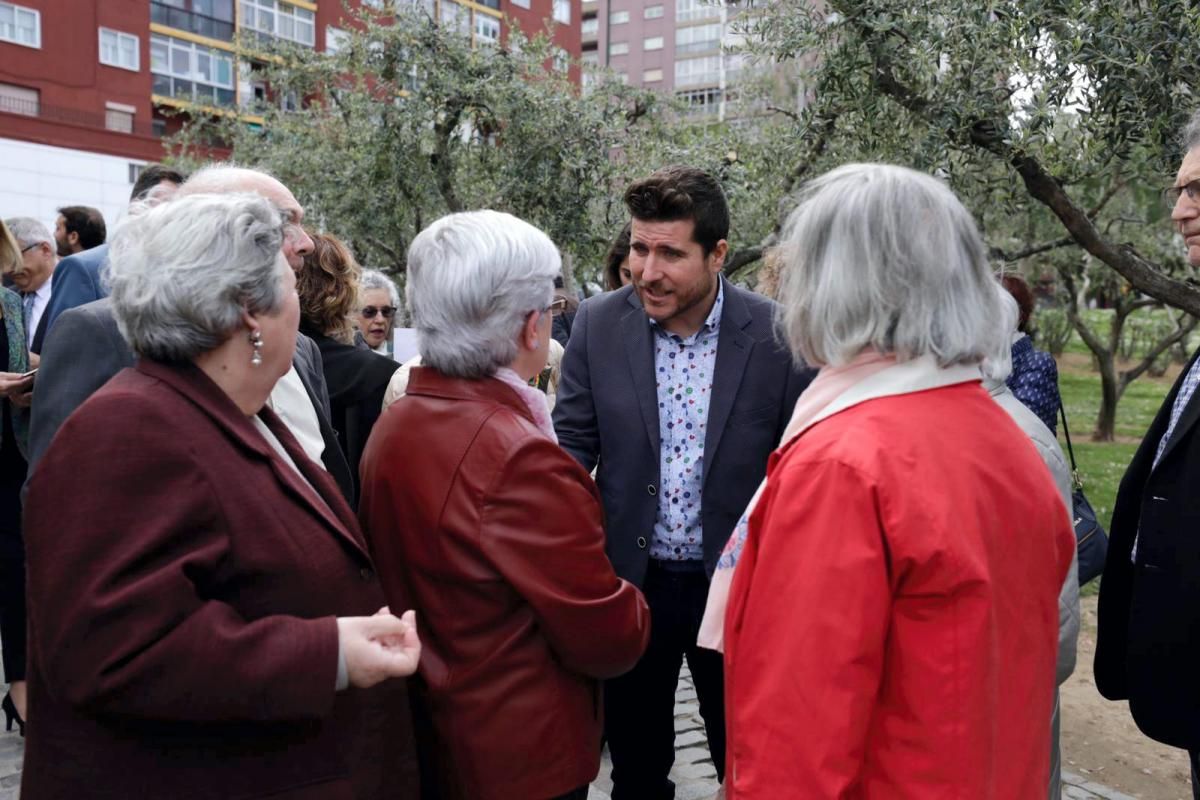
point(1034, 380)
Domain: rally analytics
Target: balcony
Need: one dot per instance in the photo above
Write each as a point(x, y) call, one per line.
point(194, 92)
point(191, 22)
point(71, 116)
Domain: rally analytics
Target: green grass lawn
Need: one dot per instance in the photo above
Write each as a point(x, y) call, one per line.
point(1102, 464)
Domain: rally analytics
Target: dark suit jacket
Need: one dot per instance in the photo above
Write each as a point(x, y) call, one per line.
point(183, 601)
point(76, 281)
point(356, 379)
point(86, 348)
point(607, 412)
point(1148, 636)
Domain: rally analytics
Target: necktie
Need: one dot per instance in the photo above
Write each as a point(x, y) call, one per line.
point(28, 313)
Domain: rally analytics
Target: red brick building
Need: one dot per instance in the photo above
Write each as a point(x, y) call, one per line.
point(88, 88)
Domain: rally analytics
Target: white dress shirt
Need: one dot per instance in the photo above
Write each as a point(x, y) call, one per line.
point(41, 299)
point(290, 401)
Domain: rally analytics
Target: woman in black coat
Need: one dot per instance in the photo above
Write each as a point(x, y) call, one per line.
point(328, 285)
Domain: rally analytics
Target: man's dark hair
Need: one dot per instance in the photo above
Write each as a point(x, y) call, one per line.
point(679, 192)
point(87, 222)
point(152, 175)
point(617, 253)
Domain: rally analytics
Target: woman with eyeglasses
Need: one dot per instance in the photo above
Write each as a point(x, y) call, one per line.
point(379, 302)
point(329, 284)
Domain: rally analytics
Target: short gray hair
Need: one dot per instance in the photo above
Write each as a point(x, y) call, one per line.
point(219, 178)
point(884, 257)
point(182, 272)
point(1191, 132)
point(28, 231)
point(472, 279)
point(374, 279)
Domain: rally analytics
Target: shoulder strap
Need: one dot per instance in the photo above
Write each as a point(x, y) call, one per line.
point(1062, 411)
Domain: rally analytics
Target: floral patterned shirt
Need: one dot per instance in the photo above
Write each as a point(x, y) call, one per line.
point(683, 371)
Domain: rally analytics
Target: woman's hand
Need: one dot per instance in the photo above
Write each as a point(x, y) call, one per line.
point(379, 647)
point(14, 383)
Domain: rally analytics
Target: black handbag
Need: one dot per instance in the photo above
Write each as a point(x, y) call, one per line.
point(1090, 538)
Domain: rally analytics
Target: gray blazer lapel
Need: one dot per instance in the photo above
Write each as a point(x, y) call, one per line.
point(639, 347)
point(733, 352)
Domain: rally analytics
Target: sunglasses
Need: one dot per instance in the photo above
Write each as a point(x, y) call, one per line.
point(369, 312)
point(557, 306)
point(1191, 189)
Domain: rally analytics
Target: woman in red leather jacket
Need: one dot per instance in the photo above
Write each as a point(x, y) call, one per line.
point(479, 521)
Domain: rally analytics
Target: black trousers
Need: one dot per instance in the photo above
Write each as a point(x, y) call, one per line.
point(1194, 756)
point(639, 707)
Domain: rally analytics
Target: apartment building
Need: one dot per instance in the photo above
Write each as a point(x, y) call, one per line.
point(89, 88)
point(674, 46)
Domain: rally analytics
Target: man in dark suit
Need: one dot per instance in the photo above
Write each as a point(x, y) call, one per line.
point(677, 389)
point(1148, 636)
point(77, 278)
point(34, 278)
point(85, 349)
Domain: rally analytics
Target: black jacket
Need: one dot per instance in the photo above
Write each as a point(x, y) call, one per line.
point(1148, 638)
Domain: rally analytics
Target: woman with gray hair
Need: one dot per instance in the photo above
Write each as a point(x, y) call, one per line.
point(492, 531)
point(203, 611)
point(378, 305)
point(889, 631)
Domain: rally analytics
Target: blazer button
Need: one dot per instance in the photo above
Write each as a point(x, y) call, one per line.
point(366, 574)
point(650, 490)
point(642, 541)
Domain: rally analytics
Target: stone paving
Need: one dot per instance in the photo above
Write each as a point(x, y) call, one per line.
point(694, 775)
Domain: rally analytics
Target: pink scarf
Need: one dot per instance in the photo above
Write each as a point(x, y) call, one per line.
point(830, 384)
point(533, 398)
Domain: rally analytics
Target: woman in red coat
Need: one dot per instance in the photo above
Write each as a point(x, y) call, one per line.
point(202, 605)
point(480, 521)
point(892, 619)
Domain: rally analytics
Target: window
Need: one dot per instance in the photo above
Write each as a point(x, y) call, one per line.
point(652, 43)
point(623, 77)
point(19, 100)
point(191, 72)
point(698, 38)
point(652, 12)
point(456, 17)
point(118, 117)
point(119, 49)
point(20, 25)
point(590, 27)
point(562, 11)
point(336, 39)
point(521, 3)
point(705, 102)
point(618, 18)
point(280, 20)
point(562, 59)
point(618, 48)
point(692, 10)
point(487, 29)
point(212, 18)
point(652, 75)
point(698, 71)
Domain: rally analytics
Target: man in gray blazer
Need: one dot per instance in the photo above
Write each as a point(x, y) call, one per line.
point(677, 391)
point(85, 348)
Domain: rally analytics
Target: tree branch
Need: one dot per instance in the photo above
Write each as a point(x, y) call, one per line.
point(990, 136)
point(742, 258)
point(786, 112)
point(1000, 254)
point(1129, 376)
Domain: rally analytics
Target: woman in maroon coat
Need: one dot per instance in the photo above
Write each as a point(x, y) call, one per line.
point(202, 606)
point(491, 531)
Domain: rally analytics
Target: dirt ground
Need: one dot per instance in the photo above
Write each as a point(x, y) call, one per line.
point(1101, 742)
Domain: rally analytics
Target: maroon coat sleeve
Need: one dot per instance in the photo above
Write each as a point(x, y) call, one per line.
point(541, 527)
point(129, 555)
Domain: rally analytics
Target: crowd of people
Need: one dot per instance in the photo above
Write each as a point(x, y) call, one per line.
point(246, 552)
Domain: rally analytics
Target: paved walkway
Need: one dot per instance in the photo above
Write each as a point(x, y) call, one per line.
point(694, 775)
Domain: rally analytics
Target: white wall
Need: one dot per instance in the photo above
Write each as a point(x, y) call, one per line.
point(36, 179)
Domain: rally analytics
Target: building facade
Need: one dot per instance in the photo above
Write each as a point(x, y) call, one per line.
point(680, 47)
point(89, 88)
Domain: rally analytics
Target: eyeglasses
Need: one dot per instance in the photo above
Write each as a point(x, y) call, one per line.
point(1191, 189)
point(557, 306)
point(29, 247)
point(369, 312)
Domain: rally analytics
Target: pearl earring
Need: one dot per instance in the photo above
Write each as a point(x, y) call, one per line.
point(256, 341)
